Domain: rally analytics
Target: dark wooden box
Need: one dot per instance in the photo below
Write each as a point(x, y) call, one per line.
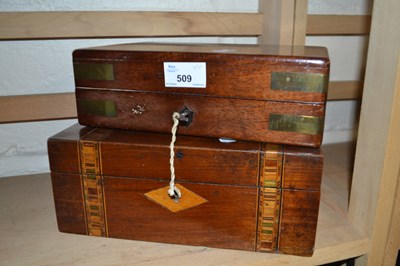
point(260, 93)
point(244, 195)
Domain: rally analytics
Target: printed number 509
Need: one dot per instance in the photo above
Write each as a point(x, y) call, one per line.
point(183, 78)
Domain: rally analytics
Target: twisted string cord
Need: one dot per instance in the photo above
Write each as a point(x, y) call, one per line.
point(173, 190)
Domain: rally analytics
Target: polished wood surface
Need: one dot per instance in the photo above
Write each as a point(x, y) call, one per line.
point(238, 98)
point(303, 168)
point(220, 51)
point(63, 148)
point(226, 220)
point(233, 71)
point(197, 159)
point(118, 169)
point(30, 236)
point(191, 163)
point(213, 117)
point(298, 223)
point(68, 201)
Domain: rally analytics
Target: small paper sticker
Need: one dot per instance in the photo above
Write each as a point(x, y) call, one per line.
point(185, 75)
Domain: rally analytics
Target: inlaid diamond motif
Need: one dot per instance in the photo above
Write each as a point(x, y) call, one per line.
point(188, 200)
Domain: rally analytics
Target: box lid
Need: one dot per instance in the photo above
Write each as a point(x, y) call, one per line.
point(277, 73)
point(202, 160)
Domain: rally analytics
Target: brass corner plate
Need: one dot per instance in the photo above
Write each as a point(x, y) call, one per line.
point(91, 71)
point(299, 81)
point(106, 108)
point(188, 200)
point(302, 124)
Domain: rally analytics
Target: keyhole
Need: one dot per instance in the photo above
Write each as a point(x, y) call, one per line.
point(186, 117)
point(179, 155)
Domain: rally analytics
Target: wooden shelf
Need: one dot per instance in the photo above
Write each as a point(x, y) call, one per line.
point(106, 24)
point(338, 24)
point(30, 236)
point(37, 107)
point(97, 24)
point(345, 90)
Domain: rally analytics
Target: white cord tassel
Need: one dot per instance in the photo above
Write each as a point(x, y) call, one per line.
point(173, 190)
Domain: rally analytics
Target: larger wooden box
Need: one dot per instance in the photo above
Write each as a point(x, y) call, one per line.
point(260, 93)
point(244, 195)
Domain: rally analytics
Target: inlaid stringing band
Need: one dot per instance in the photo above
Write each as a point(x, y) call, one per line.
point(269, 198)
point(268, 219)
point(272, 166)
point(92, 188)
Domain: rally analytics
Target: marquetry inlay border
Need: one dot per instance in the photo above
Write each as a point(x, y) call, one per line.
point(269, 198)
point(93, 190)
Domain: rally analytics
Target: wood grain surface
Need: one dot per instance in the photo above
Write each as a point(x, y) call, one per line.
point(213, 117)
point(241, 72)
point(29, 227)
point(89, 24)
point(194, 164)
point(21, 108)
point(298, 222)
point(226, 220)
point(69, 203)
point(338, 24)
point(36, 25)
point(236, 102)
point(120, 168)
point(63, 149)
point(302, 168)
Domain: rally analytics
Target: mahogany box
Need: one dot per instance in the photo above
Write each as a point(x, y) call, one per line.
point(243, 195)
point(272, 94)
